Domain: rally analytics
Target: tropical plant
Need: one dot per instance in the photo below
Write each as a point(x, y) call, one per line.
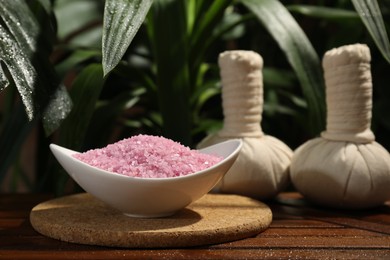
point(85, 73)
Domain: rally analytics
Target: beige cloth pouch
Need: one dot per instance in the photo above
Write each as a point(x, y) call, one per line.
point(261, 169)
point(345, 167)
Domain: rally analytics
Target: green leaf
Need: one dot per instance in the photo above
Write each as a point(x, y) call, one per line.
point(23, 50)
point(231, 27)
point(74, 59)
point(210, 126)
point(206, 94)
point(19, 67)
point(278, 77)
point(207, 20)
point(209, 14)
point(45, 4)
point(105, 116)
point(323, 12)
point(85, 92)
point(371, 16)
point(191, 14)
point(56, 109)
point(122, 19)
point(168, 33)
point(299, 52)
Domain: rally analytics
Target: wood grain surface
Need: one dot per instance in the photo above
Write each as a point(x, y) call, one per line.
point(298, 231)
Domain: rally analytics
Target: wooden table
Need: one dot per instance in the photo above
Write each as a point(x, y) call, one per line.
point(298, 231)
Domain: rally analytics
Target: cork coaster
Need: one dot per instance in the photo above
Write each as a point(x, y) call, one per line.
point(213, 219)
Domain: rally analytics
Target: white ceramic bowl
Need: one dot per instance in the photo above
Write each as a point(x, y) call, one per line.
point(148, 197)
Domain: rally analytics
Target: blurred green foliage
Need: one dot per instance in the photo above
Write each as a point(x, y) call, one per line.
point(90, 72)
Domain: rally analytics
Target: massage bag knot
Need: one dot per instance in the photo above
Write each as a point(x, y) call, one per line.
point(345, 167)
point(261, 169)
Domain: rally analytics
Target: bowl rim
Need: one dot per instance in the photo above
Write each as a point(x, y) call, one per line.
point(153, 179)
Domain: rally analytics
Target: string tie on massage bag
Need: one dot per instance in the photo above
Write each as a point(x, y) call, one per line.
point(261, 169)
point(345, 167)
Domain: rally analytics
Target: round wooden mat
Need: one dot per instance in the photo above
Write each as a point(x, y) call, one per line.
point(215, 218)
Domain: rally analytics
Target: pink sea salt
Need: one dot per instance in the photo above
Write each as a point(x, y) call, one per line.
point(147, 156)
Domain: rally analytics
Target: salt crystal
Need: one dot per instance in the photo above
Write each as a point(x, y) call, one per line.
point(147, 156)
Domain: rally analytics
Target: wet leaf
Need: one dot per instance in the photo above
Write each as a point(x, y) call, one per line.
point(3, 79)
point(23, 50)
point(21, 70)
point(122, 19)
point(371, 16)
